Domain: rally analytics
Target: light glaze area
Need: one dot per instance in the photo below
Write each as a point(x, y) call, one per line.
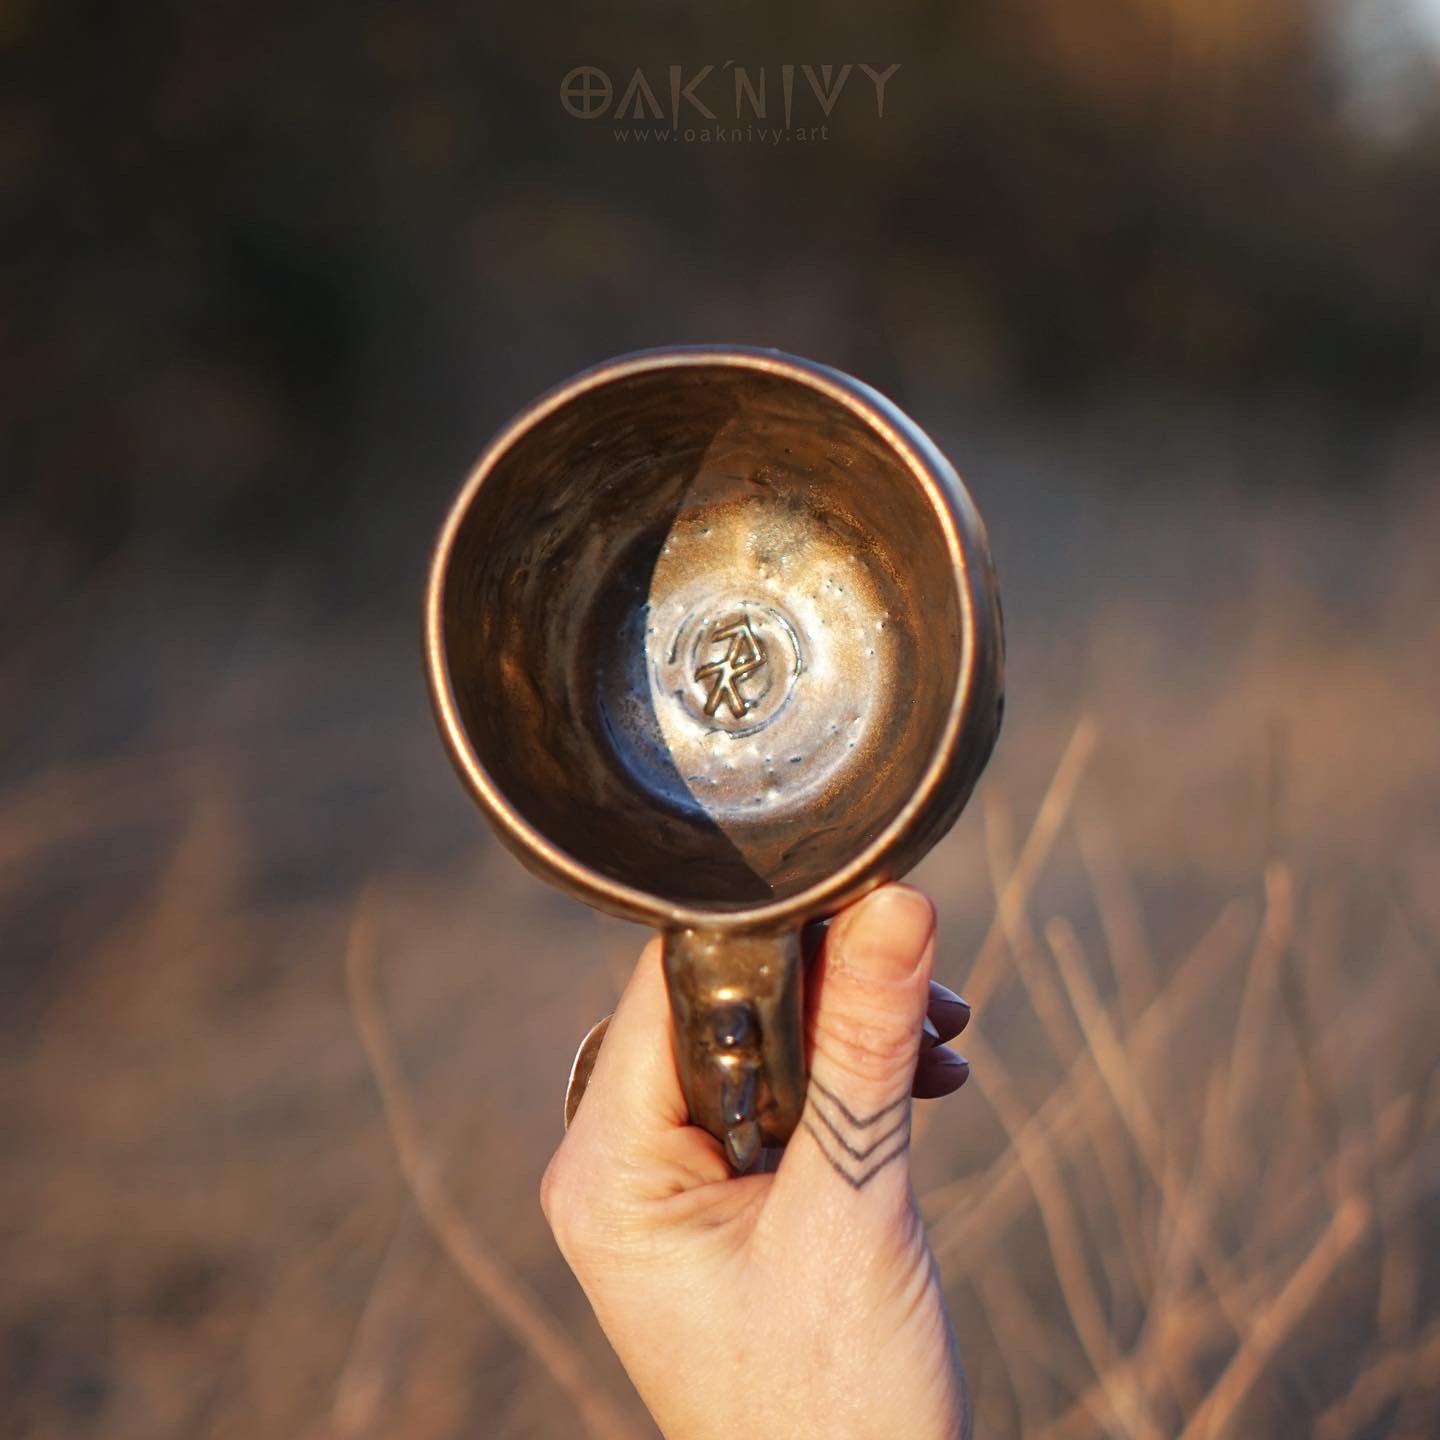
point(769, 644)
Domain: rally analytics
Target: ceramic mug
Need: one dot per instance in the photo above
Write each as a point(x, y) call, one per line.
point(713, 637)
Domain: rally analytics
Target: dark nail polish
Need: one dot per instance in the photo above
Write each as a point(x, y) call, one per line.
point(940, 1072)
point(950, 1012)
point(945, 993)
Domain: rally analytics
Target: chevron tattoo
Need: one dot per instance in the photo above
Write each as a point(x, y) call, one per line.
point(858, 1147)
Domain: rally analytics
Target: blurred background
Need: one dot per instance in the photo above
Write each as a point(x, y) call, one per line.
point(283, 1035)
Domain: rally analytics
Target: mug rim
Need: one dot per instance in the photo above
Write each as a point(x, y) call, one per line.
point(944, 491)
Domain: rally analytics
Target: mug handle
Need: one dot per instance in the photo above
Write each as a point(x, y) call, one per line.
point(736, 1001)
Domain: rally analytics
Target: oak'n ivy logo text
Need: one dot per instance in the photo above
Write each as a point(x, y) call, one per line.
point(726, 103)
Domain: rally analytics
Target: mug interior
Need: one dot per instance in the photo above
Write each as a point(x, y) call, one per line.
point(703, 631)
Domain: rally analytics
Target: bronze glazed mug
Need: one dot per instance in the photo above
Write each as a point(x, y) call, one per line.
point(713, 637)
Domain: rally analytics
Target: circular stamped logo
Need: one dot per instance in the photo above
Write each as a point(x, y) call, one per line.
point(734, 666)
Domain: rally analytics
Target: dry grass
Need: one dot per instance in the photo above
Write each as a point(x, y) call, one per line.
point(1140, 1215)
point(1145, 1211)
point(1243, 1286)
point(1190, 1191)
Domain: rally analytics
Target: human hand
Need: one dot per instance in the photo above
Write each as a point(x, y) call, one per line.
point(798, 1303)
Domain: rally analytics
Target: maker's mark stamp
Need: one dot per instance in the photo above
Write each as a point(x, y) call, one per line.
point(744, 655)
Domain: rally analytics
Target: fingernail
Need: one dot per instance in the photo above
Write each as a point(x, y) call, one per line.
point(951, 1012)
point(941, 1072)
point(929, 1035)
point(886, 934)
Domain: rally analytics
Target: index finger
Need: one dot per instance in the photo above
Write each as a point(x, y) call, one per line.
point(633, 1118)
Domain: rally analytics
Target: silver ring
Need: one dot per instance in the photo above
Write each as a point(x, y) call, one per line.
point(581, 1067)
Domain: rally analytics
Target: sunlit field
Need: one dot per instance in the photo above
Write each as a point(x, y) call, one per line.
point(286, 1034)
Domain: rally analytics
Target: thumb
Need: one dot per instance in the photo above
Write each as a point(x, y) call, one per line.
point(866, 1000)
